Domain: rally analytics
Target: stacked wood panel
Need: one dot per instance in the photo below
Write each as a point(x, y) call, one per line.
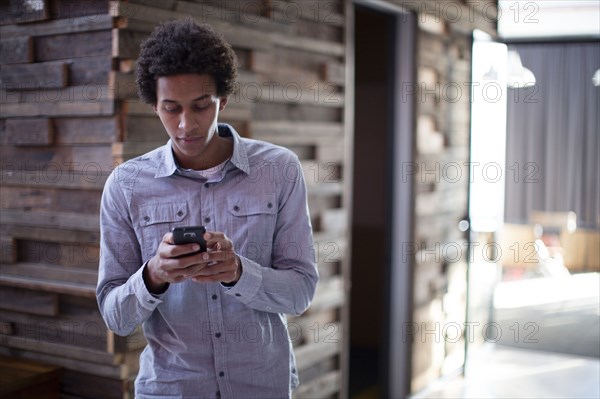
point(441, 180)
point(59, 120)
point(70, 114)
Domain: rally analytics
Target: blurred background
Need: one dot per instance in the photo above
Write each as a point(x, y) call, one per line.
point(450, 150)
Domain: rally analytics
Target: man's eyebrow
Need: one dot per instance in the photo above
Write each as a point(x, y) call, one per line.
point(202, 97)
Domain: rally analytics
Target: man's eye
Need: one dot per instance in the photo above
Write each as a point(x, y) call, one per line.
point(171, 109)
point(201, 107)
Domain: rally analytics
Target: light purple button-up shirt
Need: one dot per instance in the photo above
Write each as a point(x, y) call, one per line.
point(208, 340)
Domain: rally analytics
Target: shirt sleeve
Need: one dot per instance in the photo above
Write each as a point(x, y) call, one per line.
point(123, 298)
point(288, 286)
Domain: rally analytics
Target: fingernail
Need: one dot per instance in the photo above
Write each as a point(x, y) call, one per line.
point(196, 247)
point(205, 257)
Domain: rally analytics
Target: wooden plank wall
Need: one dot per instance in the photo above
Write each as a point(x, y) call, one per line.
point(70, 114)
point(58, 123)
point(442, 90)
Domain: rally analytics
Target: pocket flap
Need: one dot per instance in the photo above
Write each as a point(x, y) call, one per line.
point(162, 213)
point(252, 205)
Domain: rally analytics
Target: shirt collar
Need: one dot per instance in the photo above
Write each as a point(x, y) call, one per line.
point(239, 157)
point(168, 166)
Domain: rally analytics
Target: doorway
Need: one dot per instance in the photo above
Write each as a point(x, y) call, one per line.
point(371, 213)
point(380, 295)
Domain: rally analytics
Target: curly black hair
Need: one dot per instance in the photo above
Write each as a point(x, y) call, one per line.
point(184, 46)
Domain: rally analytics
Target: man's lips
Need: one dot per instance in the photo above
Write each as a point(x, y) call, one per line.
point(189, 139)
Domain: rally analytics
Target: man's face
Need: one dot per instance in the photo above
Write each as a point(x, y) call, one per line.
point(188, 107)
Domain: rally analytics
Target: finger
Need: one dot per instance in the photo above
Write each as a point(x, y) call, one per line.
point(180, 271)
point(227, 272)
point(168, 273)
point(168, 238)
point(215, 278)
point(214, 259)
point(218, 241)
point(169, 266)
point(178, 279)
point(180, 265)
point(193, 263)
point(170, 251)
point(218, 256)
point(209, 271)
point(175, 269)
point(183, 249)
point(228, 265)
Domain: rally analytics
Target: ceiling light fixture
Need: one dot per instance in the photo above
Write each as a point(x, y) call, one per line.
point(518, 75)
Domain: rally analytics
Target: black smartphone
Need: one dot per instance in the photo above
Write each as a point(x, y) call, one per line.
point(190, 234)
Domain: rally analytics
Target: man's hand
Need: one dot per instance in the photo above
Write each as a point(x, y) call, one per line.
point(223, 265)
point(176, 263)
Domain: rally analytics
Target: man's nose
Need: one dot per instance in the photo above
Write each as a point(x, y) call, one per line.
point(187, 123)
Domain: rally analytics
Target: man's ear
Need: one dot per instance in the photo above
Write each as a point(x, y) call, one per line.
point(222, 103)
point(155, 108)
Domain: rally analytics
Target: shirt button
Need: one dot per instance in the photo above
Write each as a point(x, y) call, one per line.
point(179, 213)
point(151, 301)
point(146, 218)
point(206, 220)
point(221, 374)
point(269, 205)
point(214, 297)
point(236, 208)
point(218, 335)
point(238, 294)
point(206, 185)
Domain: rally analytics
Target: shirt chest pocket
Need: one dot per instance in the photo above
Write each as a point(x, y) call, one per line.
point(157, 219)
point(252, 220)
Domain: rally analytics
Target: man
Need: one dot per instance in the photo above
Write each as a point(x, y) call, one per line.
point(214, 321)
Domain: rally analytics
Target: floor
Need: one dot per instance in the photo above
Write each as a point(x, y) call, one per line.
point(550, 314)
point(549, 346)
point(503, 372)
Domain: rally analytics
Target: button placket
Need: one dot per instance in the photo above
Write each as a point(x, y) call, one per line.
point(219, 338)
point(207, 208)
point(214, 310)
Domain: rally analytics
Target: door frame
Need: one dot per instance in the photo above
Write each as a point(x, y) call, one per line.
point(398, 293)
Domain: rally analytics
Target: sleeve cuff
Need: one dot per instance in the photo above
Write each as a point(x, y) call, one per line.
point(148, 300)
point(249, 283)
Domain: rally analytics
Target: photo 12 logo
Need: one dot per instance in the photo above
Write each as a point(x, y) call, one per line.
point(453, 332)
point(455, 172)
